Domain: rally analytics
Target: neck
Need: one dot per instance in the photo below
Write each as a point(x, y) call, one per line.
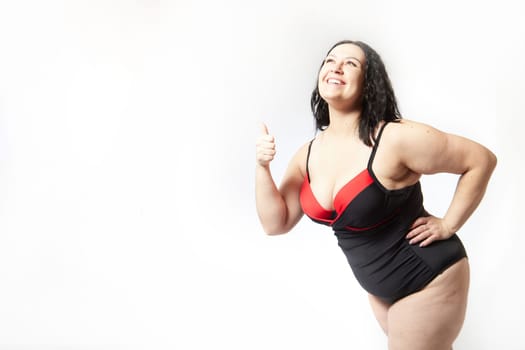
point(343, 123)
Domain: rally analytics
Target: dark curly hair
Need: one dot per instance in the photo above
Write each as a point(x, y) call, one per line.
point(378, 99)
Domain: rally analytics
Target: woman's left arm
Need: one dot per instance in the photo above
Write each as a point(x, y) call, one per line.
point(426, 150)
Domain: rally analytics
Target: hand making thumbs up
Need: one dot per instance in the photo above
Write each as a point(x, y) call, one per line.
point(265, 147)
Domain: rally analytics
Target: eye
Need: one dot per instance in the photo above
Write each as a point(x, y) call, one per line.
point(351, 63)
point(329, 60)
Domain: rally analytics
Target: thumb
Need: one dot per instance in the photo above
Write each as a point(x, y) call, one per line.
point(264, 129)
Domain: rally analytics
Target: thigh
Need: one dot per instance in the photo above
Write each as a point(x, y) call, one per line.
point(431, 318)
point(380, 309)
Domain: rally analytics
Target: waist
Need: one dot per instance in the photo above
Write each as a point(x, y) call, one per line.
point(391, 268)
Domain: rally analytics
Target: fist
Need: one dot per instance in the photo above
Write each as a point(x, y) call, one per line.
point(265, 147)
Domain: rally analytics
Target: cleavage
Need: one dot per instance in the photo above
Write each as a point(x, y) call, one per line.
point(326, 191)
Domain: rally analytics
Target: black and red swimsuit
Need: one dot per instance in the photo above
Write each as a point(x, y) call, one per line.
point(371, 222)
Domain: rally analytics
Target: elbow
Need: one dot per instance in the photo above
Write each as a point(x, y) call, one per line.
point(484, 162)
point(278, 223)
point(274, 231)
point(492, 160)
point(275, 225)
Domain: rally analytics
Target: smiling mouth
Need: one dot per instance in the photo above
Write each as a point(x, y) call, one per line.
point(333, 81)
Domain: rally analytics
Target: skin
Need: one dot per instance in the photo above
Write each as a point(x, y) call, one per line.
point(431, 318)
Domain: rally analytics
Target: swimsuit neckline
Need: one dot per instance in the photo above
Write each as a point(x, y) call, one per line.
point(351, 189)
point(360, 176)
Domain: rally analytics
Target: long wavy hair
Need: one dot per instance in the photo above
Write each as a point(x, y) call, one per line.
point(378, 101)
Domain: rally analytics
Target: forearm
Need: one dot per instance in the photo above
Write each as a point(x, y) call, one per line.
point(469, 192)
point(271, 206)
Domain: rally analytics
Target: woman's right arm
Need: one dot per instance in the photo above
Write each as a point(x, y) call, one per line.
point(278, 208)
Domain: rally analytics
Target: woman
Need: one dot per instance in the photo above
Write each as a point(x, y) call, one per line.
point(360, 175)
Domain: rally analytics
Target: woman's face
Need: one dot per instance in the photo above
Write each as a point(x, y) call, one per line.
point(341, 76)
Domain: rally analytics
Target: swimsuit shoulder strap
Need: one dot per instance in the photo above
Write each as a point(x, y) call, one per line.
point(308, 158)
point(376, 144)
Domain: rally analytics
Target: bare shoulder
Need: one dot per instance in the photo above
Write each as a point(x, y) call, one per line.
point(298, 161)
point(408, 138)
point(427, 150)
point(407, 131)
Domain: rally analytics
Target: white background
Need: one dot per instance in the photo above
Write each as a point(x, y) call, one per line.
point(127, 130)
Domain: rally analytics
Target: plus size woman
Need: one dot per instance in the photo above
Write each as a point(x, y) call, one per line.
point(360, 176)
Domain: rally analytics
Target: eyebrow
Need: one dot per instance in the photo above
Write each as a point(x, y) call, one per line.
point(348, 57)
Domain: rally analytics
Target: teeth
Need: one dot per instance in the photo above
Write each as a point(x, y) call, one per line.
point(334, 81)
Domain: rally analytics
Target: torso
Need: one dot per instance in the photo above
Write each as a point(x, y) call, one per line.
point(335, 161)
point(370, 201)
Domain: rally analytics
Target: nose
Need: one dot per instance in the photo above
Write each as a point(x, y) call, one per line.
point(337, 67)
